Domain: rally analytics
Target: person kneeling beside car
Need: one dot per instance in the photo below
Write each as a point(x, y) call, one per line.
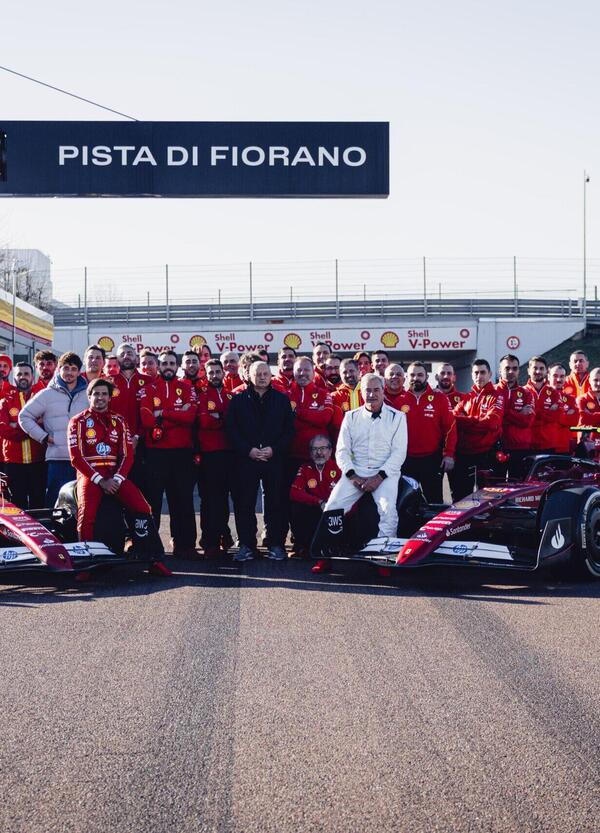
point(101, 451)
point(310, 492)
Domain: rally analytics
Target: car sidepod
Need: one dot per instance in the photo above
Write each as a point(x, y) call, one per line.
point(569, 524)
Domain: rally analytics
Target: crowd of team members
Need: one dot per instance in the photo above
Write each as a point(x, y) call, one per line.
point(139, 427)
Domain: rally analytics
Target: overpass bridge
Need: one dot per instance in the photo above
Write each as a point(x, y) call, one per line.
point(432, 330)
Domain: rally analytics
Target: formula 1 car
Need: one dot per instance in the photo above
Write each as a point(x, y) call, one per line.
point(549, 518)
point(46, 539)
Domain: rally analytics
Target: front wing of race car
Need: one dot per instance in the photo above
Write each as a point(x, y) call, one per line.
point(36, 547)
point(454, 537)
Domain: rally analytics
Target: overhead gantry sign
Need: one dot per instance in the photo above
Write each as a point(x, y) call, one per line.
point(194, 159)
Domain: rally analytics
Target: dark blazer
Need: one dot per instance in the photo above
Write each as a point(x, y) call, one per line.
point(258, 422)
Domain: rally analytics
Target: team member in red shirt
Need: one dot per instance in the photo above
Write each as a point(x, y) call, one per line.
point(332, 373)
point(547, 404)
point(217, 461)
point(446, 383)
point(568, 411)
point(578, 382)
point(167, 413)
point(93, 363)
point(149, 364)
point(282, 381)
point(113, 368)
point(45, 364)
point(5, 368)
point(380, 360)
point(310, 492)
point(231, 363)
point(190, 364)
point(479, 423)
point(519, 414)
point(128, 384)
point(431, 433)
point(394, 386)
point(589, 407)
point(312, 407)
point(101, 452)
point(24, 458)
point(347, 396)
point(363, 361)
point(321, 353)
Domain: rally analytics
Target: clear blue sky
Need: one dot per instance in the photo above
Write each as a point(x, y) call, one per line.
point(493, 110)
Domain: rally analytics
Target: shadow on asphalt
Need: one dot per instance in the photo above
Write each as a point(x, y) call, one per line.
point(474, 584)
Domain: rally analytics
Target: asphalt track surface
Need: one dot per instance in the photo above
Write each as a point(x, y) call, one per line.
point(268, 699)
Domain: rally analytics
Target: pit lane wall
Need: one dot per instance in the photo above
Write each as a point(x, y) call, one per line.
point(433, 341)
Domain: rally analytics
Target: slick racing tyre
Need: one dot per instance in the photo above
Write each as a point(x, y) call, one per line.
point(588, 537)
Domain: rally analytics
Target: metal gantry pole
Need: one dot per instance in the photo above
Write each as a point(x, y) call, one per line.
point(250, 292)
point(424, 288)
point(515, 293)
point(14, 309)
point(337, 289)
point(586, 179)
point(85, 296)
point(167, 291)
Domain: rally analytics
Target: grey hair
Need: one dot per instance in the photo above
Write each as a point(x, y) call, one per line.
point(367, 378)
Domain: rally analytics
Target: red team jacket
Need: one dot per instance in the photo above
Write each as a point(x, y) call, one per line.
point(170, 398)
point(313, 411)
point(125, 398)
point(312, 486)
point(230, 383)
point(516, 426)
point(281, 383)
point(17, 446)
point(100, 445)
point(212, 409)
point(430, 422)
point(543, 432)
point(479, 419)
point(565, 439)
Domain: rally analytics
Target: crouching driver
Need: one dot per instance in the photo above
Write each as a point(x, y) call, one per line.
point(101, 451)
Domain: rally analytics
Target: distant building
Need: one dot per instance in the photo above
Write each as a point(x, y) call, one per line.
point(32, 270)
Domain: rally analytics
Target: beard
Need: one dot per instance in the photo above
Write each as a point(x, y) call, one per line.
point(418, 387)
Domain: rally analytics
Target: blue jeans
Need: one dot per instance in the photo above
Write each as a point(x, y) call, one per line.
point(59, 473)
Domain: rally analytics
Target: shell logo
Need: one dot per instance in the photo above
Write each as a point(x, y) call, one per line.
point(116, 392)
point(292, 340)
point(156, 402)
point(210, 405)
point(405, 409)
point(106, 343)
point(312, 483)
point(90, 433)
point(197, 341)
point(14, 411)
point(389, 338)
point(11, 510)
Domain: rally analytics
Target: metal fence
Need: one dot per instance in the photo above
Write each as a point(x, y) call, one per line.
point(337, 288)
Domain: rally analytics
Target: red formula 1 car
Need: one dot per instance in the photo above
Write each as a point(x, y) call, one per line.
point(549, 518)
point(46, 539)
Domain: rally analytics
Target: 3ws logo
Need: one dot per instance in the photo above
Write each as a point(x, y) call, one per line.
point(335, 523)
point(141, 527)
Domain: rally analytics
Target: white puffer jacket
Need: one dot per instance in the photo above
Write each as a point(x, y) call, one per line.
point(49, 412)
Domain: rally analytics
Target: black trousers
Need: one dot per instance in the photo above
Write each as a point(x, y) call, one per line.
point(171, 471)
point(214, 484)
point(304, 519)
point(463, 475)
point(27, 483)
point(427, 471)
point(248, 475)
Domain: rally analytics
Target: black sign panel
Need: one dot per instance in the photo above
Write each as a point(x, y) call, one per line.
point(194, 159)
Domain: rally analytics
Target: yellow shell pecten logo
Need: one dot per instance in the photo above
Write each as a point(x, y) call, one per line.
point(292, 340)
point(197, 341)
point(11, 510)
point(389, 338)
point(106, 343)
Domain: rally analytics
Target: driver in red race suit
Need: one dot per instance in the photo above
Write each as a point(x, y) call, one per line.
point(101, 451)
